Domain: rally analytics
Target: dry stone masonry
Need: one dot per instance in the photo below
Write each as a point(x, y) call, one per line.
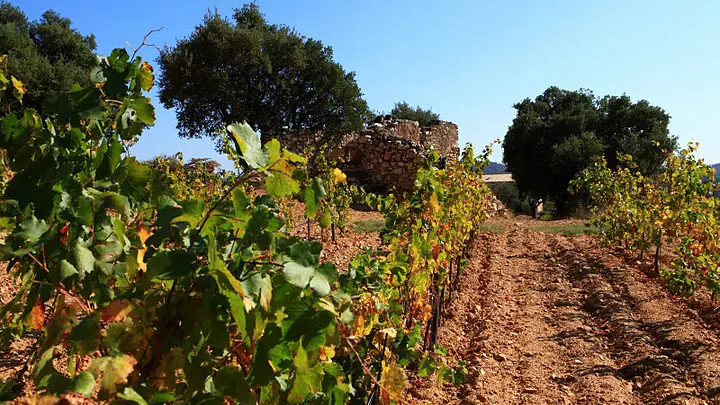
point(384, 156)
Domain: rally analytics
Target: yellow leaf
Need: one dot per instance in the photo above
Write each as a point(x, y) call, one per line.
point(434, 203)
point(144, 233)
point(327, 353)
point(20, 89)
point(390, 332)
point(393, 384)
point(339, 176)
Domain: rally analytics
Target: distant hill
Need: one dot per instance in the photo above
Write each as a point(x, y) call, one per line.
point(717, 170)
point(495, 168)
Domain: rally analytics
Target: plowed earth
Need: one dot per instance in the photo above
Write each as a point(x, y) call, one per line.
point(549, 319)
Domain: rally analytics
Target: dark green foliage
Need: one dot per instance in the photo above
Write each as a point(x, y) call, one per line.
point(47, 55)
point(561, 132)
point(633, 129)
point(268, 75)
point(404, 111)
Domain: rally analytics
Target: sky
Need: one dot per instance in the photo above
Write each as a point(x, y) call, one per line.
point(469, 61)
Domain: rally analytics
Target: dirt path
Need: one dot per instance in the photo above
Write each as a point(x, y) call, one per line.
point(546, 319)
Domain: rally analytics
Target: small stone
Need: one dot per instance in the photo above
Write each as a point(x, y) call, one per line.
point(530, 390)
point(499, 357)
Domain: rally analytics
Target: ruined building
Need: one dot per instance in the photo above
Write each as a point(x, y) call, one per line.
point(385, 155)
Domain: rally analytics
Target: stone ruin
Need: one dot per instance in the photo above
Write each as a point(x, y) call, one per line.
point(384, 156)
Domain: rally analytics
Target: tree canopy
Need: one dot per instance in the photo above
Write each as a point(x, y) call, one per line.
point(404, 111)
point(47, 55)
point(561, 132)
point(268, 75)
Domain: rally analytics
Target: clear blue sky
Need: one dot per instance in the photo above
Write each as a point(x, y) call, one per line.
point(467, 60)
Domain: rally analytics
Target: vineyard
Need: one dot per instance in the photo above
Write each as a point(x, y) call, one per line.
point(165, 281)
point(156, 285)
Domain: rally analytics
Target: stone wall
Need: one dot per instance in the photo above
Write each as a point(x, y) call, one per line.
point(443, 136)
point(385, 155)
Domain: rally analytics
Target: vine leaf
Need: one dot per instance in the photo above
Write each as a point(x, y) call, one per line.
point(308, 377)
point(144, 233)
point(117, 310)
point(393, 383)
point(247, 145)
point(115, 370)
point(32, 229)
point(84, 259)
point(312, 197)
point(318, 279)
point(145, 76)
point(279, 184)
point(339, 176)
point(19, 89)
point(83, 384)
point(36, 318)
point(132, 395)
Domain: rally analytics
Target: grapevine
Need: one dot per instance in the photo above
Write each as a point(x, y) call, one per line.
point(677, 207)
point(152, 293)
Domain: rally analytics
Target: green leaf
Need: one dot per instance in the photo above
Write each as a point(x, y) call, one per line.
point(32, 229)
point(145, 110)
point(131, 395)
point(3, 82)
point(319, 279)
point(307, 254)
point(260, 288)
point(44, 368)
point(162, 397)
point(231, 288)
point(279, 184)
point(326, 218)
point(84, 259)
point(86, 335)
point(325, 275)
point(312, 196)
point(298, 274)
point(247, 145)
point(192, 213)
point(427, 366)
point(83, 384)
point(241, 203)
point(170, 264)
point(308, 377)
point(231, 381)
point(66, 269)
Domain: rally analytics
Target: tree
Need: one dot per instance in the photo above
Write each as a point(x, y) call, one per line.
point(560, 132)
point(47, 55)
point(634, 129)
point(531, 141)
point(404, 111)
point(249, 70)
